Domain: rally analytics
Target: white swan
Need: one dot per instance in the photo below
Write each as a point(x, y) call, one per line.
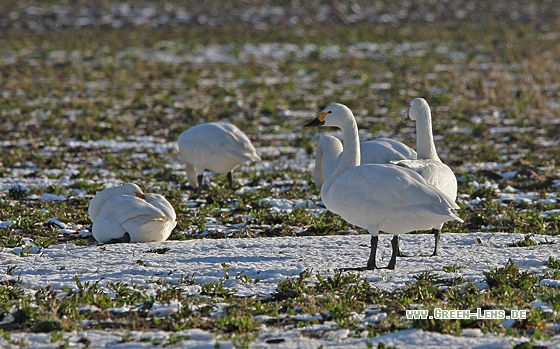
point(377, 151)
point(214, 146)
point(378, 197)
point(428, 164)
point(125, 214)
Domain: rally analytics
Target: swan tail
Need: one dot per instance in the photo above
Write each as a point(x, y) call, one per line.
point(456, 216)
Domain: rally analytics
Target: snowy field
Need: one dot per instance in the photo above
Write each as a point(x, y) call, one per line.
point(95, 97)
point(271, 260)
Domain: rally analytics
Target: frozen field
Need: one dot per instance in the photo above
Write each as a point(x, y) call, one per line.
point(95, 96)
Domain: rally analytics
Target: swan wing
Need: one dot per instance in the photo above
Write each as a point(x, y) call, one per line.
point(239, 144)
point(150, 227)
point(387, 185)
point(117, 210)
point(435, 172)
point(387, 195)
point(159, 202)
point(215, 146)
point(127, 206)
point(217, 138)
point(146, 228)
point(104, 230)
point(383, 150)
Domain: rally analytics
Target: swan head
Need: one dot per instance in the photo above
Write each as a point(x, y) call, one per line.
point(334, 115)
point(419, 109)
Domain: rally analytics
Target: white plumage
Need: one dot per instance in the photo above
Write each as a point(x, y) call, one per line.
point(125, 214)
point(428, 164)
point(377, 151)
point(378, 197)
point(214, 146)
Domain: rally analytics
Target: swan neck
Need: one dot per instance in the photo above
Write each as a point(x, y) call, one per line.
point(319, 175)
point(425, 147)
point(351, 155)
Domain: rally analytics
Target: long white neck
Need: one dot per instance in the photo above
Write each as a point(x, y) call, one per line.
point(328, 150)
point(98, 200)
point(102, 196)
point(425, 147)
point(319, 175)
point(351, 155)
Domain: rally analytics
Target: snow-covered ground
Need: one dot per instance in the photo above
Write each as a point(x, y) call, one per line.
point(281, 339)
point(77, 163)
point(271, 260)
point(268, 259)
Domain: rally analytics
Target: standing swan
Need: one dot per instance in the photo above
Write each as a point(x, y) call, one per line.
point(428, 165)
point(125, 214)
point(214, 146)
point(378, 197)
point(377, 151)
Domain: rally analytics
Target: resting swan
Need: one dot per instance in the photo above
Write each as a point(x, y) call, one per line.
point(428, 164)
point(378, 197)
point(377, 151)
point(214, 146)
point(125, 214)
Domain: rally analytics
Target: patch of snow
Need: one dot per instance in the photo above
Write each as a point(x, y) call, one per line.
point(158, 309)
point(49, 197)
point(550, 282)
point(5, 224)
point(58, 223)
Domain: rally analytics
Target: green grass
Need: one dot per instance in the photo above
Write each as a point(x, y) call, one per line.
point(335, 297)
point(113, 93)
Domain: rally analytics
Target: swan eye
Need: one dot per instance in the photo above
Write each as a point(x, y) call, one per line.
point(330, 111)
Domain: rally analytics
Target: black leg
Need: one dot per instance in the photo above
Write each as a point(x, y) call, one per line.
point(199, 189)
point(371, 261)
point(437, 234)
point(395, 245)
point(371, 265)
point(230, 179)
point(125, 238)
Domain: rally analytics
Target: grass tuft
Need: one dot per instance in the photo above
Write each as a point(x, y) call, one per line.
point(527, 241)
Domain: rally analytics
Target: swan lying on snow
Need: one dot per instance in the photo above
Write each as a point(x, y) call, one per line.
point(378, 197)
point(428, 165)
point(377, 151)
point(214, 146)
point(125, 214)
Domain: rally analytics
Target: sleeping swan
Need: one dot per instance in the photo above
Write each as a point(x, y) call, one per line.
point(378, 197)
point(377, 151)
point(214, 146)
point(428, 165)
point(125, 214)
